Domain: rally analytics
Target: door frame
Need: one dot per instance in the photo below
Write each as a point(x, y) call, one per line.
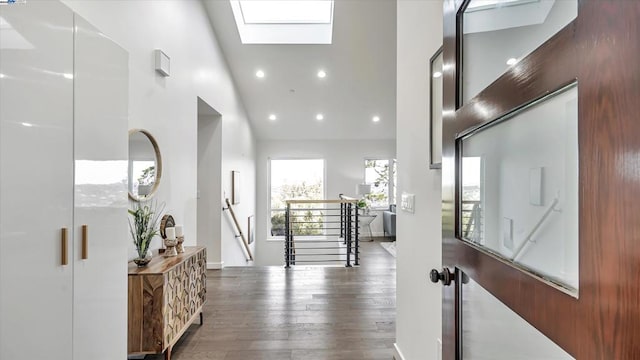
point(595, 49)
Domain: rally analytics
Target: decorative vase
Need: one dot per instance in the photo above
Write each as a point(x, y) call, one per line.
point(171, 247)
point(143, 261)
point(179, 247)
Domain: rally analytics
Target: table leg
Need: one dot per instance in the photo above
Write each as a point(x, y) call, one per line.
point(370, 232)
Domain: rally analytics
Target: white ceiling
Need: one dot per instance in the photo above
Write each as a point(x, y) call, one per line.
point(360, 81)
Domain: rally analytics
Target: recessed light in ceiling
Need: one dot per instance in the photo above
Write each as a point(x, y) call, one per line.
point(1, 76)
point(319, 117)
point(27, 124)
point(437, 74)
point(512, 61)
point(272, 117)
point(376, 118)
point(260, 74)
point(322, 74)
point(68, 76)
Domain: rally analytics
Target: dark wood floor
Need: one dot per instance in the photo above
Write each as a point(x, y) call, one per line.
point(300, 313)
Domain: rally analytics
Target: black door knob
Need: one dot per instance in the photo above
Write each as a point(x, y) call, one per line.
point(445, 276)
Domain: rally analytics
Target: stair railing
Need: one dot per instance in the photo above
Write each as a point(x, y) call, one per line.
point(321, 232)
point(247, 249)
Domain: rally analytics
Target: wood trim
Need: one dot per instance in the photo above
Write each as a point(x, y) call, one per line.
point(156, 149)
point(235, 221)
point(596, 49)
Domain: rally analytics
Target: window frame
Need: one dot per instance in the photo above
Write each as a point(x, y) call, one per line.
point(391, 196)
point(269, 209)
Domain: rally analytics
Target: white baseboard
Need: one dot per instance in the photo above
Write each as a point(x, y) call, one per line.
point(215, 265)
point(397, 354)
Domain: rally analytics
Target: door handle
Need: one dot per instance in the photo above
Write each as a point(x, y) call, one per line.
point(85, 242)
point(65, 247)
point(445, 276)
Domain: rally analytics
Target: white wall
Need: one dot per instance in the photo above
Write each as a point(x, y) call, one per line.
point(167, 107)
point(344, 169)
point(210, 184)
point(419, 309)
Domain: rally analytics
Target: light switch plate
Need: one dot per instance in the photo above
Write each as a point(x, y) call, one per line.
point(407, 202)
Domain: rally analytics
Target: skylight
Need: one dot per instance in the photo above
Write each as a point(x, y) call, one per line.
point(478, 5)
point(284, 22)
point(286, 12)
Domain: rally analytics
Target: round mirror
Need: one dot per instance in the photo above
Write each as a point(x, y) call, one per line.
point(145, 165)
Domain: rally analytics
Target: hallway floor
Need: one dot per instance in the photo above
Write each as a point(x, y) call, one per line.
point(299, 313)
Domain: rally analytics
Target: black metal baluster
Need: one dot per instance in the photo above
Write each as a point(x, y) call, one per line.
point(287, 238)
point(357, 242)
point(348, 235)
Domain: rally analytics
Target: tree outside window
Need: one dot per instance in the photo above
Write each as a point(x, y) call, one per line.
point(381, 175)
point(298, 179)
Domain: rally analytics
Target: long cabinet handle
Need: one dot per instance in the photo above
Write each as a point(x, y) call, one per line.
point(85, 242)
point(65, 247)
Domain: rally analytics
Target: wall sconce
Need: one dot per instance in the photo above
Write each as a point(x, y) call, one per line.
point(163, 63)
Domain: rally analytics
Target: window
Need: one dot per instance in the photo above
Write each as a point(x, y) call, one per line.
point(381, 175)
point(299, 179)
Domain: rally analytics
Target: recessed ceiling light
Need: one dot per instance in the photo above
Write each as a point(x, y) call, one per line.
point(272, 117)
point(1, 76)
point(322, 74)
point(68, 76)
point(319, 117)
point(27, 124)
point(512, 61)
point(376, 118)
point(437, 74)
point(260, 73)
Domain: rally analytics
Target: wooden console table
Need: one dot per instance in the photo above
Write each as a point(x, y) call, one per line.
point(165, 297)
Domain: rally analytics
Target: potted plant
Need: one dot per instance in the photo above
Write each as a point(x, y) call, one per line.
point(277, 224)
point(363, 205)
point(144, 225)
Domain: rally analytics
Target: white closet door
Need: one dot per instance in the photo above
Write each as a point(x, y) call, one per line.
point(101, 153)
point(36, 180)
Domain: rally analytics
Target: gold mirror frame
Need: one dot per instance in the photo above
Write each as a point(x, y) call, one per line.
point(156, 149)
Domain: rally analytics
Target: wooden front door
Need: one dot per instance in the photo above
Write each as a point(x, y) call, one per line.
point(598, 315)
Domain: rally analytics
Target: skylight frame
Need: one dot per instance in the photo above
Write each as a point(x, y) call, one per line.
point(493, 4)
point(309, 33)
point(243, 11)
